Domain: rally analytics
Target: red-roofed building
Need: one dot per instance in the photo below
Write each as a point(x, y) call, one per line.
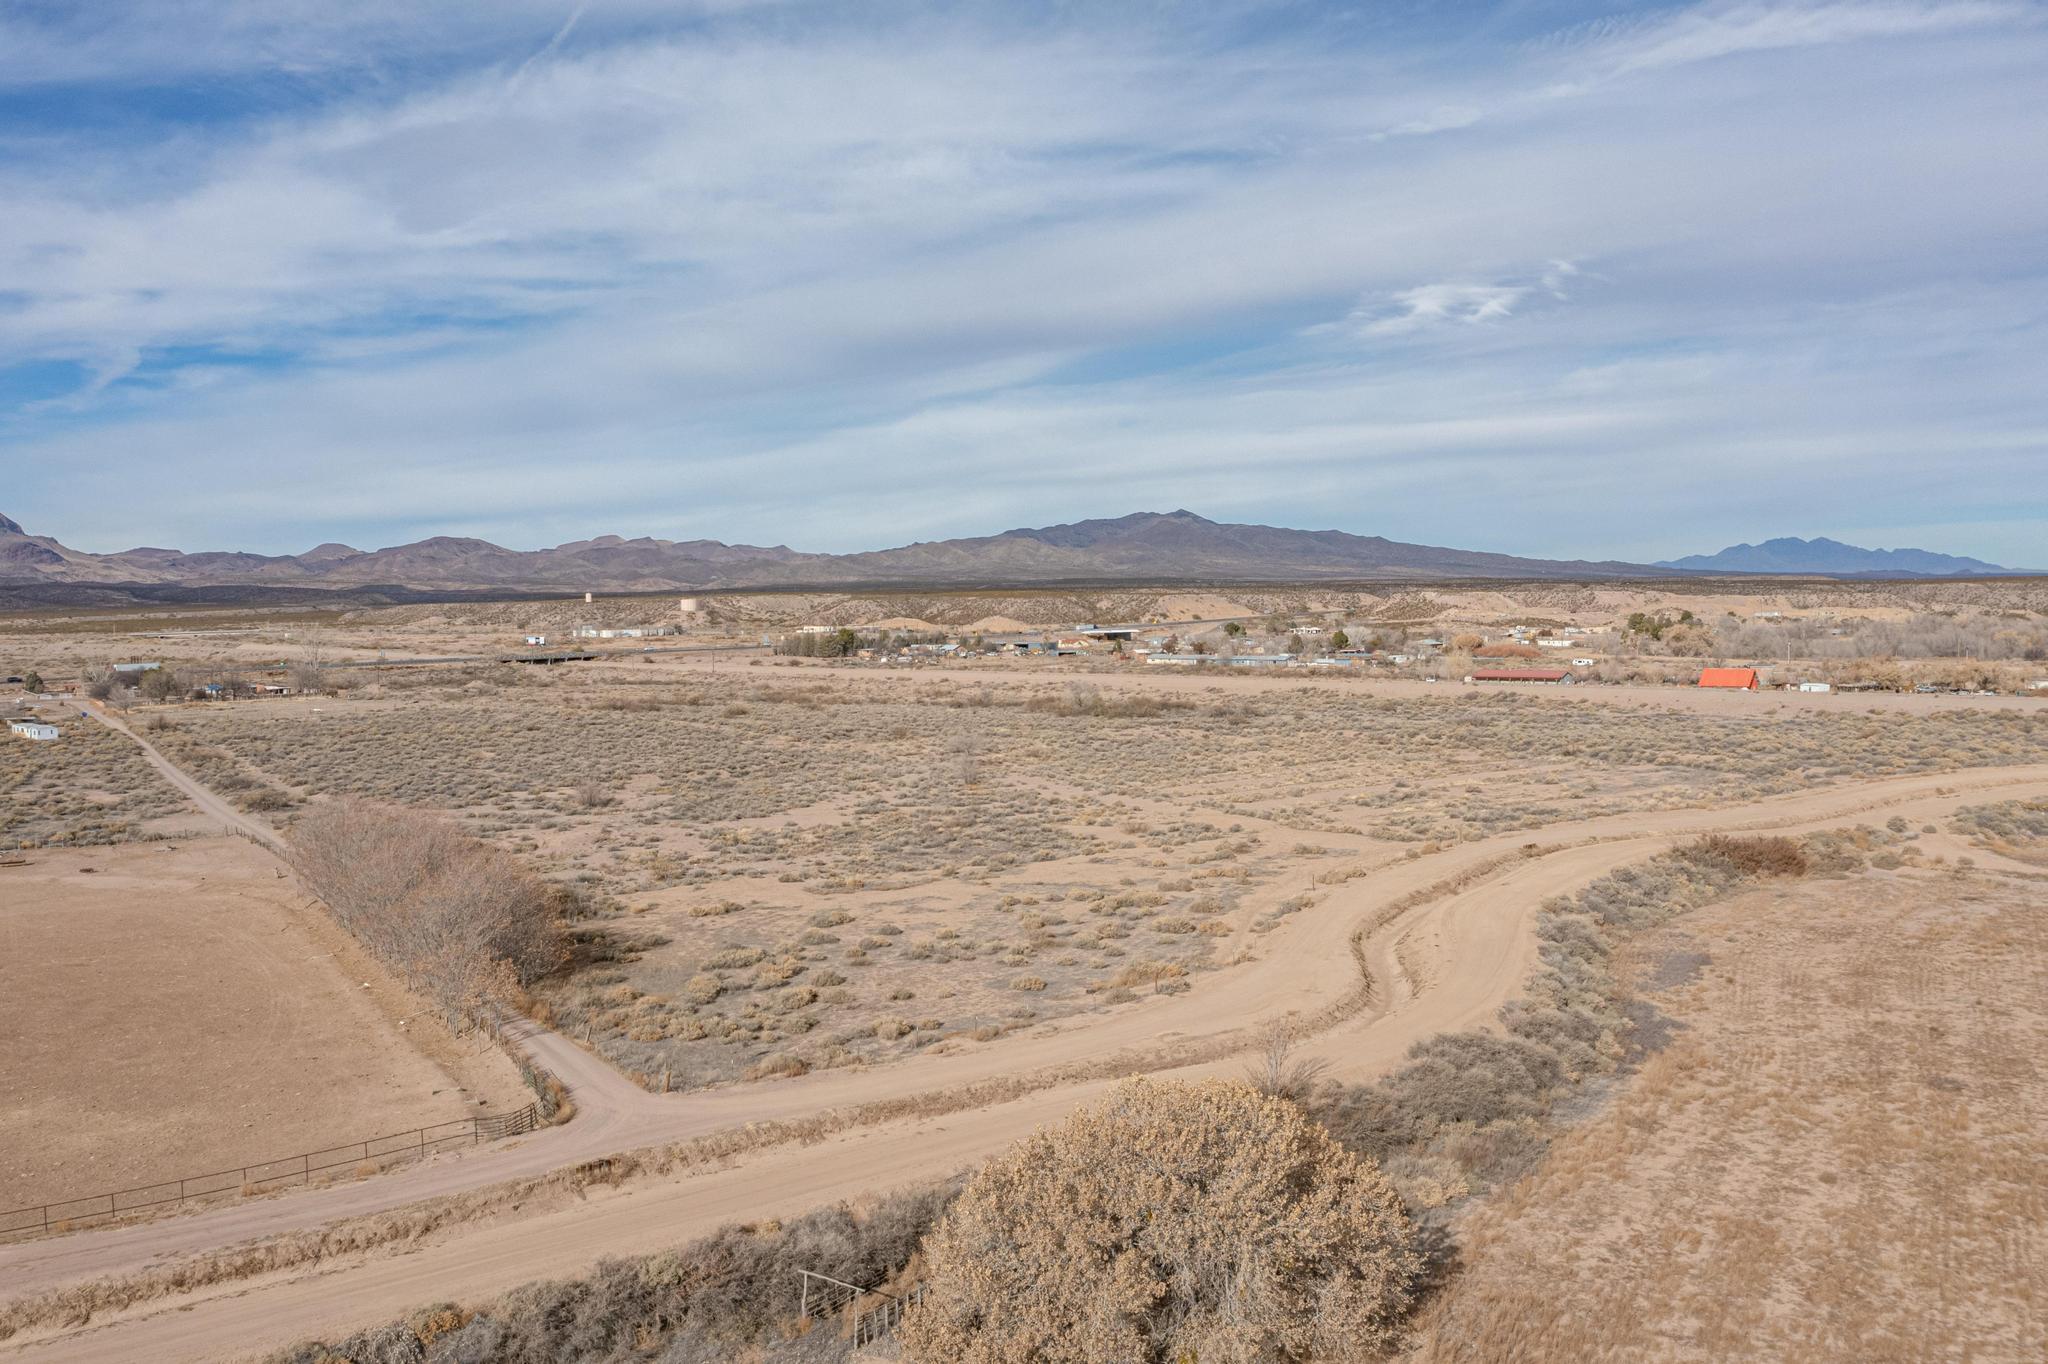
point(1734, 679)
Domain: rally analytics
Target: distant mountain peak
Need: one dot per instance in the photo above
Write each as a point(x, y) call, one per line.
point(1790, 554)
point(9, 526)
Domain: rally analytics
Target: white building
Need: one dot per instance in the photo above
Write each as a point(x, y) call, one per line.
point(28, 727)
point(1555, 643)
point(536, 639)
point(1815, 686)
point(1584, 662)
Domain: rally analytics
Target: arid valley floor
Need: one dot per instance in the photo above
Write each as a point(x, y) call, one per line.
point(842, 928)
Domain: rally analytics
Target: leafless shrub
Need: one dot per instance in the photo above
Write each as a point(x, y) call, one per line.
point(1762, 856)
point(451, 914)
point(1171, 1222)
point(711, 1299)
point(1279, 1074)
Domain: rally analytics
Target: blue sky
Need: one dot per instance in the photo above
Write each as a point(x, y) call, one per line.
point(1547, 278)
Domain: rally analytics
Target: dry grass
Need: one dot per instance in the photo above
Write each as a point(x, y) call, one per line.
point(761, 863)
point(1843, 1155)
point(91, 787)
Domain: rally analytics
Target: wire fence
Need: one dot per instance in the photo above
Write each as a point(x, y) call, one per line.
point(262, 1176)
point(867, 1315)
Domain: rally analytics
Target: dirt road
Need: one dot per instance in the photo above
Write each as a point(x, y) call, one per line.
point(1446, 963)
point(210, 803)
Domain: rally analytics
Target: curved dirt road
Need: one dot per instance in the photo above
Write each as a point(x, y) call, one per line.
point(1470, 951)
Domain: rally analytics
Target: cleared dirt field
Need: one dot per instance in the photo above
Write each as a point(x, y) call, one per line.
point(171, 1010)
point(1840, 1155)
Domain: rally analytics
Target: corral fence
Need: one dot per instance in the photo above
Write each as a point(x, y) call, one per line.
point(868, 1315)
point(266, 1175)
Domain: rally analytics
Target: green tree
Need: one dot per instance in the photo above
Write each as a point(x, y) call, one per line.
point(1340, 640)
point(33, 681)
point(845, 641)
point(1233, 629)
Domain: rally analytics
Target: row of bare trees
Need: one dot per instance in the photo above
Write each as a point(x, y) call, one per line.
point(457, 918)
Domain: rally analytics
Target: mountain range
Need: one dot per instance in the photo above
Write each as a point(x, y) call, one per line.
point(1150, 547)
point(1790, 554)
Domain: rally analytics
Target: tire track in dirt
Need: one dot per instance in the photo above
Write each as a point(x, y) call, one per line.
point(1485, 947)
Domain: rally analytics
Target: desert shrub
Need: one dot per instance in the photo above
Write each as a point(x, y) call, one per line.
point(1473, 1078)
point(1170, 1222)
point(451, 914)
point(1757, 856)
point(2015, 821)
point(711, 1299)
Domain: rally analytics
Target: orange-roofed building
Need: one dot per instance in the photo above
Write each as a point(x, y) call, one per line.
point(1738, 679)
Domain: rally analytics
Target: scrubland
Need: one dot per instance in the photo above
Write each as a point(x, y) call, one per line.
point(772, 871)
point(2014, 828)
point(1837, 1153)
point(91, 787)
point(1743, 1077)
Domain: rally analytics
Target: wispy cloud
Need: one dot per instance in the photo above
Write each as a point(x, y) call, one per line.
point(919, 260)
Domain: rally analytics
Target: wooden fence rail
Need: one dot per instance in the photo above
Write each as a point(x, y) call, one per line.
point(268, 1174)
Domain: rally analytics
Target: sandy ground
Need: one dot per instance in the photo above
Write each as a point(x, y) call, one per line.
point(1841, 1156)
point(172, 1010)
point(1449, 964)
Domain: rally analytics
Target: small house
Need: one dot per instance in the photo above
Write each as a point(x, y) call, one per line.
point(536, 639)
point(1729, 679)
point(1584, 662)
point(28, 727)
point(1815, 686)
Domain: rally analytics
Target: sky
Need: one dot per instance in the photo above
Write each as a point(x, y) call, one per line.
point(1547, 278)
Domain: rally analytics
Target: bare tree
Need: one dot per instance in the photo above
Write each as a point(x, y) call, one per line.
point(1278, 1073)
point(458, 918)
